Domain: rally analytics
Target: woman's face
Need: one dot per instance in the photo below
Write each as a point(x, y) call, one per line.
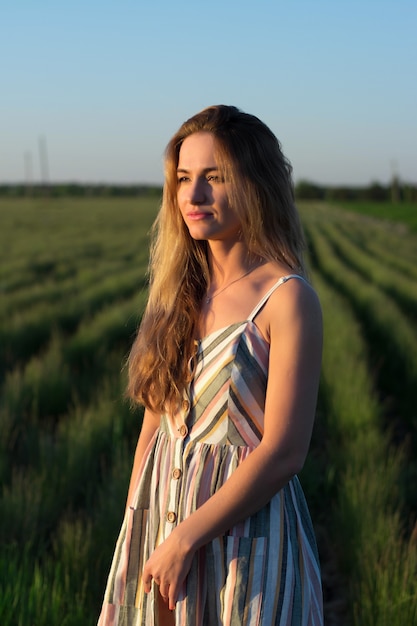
point(202, 192)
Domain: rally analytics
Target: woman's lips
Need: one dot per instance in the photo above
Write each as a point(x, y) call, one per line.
point(198, 215)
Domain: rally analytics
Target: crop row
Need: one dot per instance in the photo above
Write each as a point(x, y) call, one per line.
point(391, 332)
point(53, 240)
point(398, 287)
point(69, 310)
point(370, 341)
point(74, 288)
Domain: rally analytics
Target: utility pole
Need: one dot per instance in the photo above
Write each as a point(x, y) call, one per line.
point(28, 173)
point(44, 164)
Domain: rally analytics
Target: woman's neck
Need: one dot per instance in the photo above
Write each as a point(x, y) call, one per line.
point(228, 263)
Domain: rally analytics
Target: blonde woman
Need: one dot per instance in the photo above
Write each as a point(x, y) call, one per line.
point(227, 364)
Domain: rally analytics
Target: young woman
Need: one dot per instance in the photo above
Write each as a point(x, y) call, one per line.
point(227, 364)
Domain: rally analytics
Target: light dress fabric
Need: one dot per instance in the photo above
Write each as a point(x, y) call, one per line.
point(265, 570)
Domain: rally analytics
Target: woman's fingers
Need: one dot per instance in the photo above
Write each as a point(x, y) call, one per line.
point(169, 593)
point(147, 582)
point(164, 591)
point(172, 597)
point(168, 567)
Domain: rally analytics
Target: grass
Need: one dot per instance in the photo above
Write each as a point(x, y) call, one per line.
point(367, 408)
point(73, 285)
point(366, 471)
point(404, 213)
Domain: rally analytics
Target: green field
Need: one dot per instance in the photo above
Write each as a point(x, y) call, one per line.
point(73, 285)
point(402, 213)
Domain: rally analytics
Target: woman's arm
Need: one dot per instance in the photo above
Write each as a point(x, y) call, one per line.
point(150, 424)
point(295, 327)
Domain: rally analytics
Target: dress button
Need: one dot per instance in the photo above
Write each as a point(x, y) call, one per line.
point(186, 405)
point(183, 430)
point(171, 517)
point(176, 473)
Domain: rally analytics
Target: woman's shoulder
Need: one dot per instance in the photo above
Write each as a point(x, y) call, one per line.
point(282, 282)
point(293, 291)
point(292, 300)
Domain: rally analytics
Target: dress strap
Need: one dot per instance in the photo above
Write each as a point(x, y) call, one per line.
point(260, 304)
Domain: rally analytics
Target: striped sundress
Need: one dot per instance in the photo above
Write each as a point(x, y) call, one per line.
point(265, 570)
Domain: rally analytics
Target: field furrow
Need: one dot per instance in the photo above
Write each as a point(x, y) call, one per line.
point(356, 504)
point(73, 286)
point(391, 336)
point(399, 287)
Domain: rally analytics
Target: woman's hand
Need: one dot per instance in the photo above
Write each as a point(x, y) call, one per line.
point(168, 566)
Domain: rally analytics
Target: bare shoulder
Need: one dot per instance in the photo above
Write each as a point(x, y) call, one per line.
point(297, 292)
point(294, 303)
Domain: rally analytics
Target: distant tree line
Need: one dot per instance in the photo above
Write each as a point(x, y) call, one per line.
point(375, 192)
point(304, 190)
point(78, 190)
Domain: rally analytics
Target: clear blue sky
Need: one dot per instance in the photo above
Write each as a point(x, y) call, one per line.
point(106, 83)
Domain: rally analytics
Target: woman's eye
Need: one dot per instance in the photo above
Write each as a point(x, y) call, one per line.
point(182, 179)
point(214, 178)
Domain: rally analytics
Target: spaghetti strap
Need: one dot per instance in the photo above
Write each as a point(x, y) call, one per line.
point(260, 304)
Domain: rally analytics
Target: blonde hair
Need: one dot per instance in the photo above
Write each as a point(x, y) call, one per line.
point(261, 192)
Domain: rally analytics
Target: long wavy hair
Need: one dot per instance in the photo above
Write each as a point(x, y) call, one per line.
point(250, 158)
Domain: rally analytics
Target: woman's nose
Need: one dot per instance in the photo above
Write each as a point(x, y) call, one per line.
point(197, 193)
